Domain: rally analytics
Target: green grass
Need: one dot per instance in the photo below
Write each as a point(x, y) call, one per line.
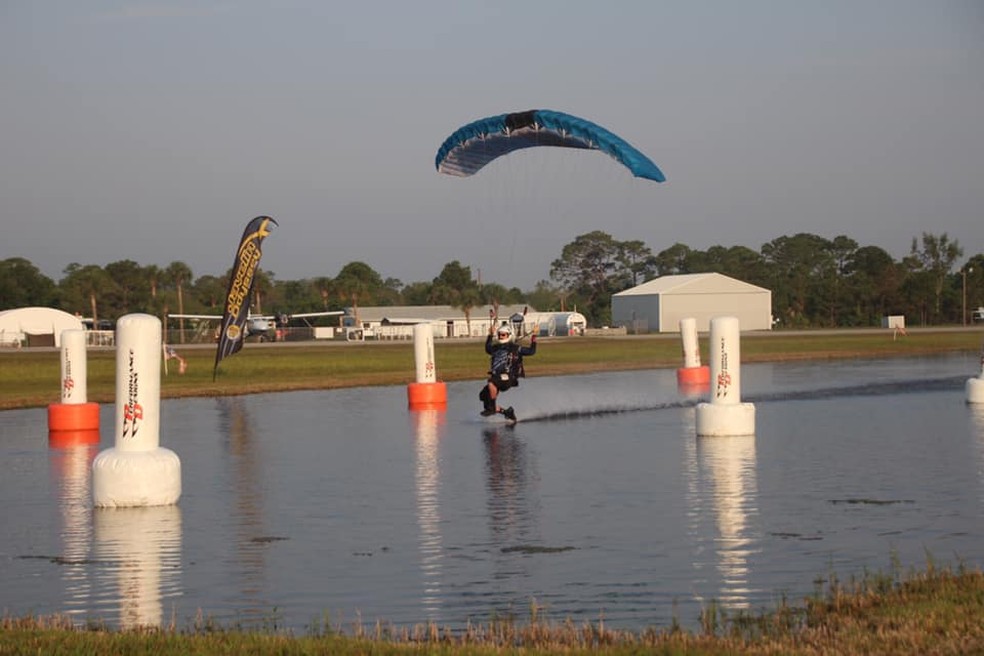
point(935, 611)
point(30, 378)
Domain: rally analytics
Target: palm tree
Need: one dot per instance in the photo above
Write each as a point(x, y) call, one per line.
point(87, 283)
point(262, 284)
point(456, 287)
point(178, 274)
point(465, 300)
point(152, 273)
point(323, 286)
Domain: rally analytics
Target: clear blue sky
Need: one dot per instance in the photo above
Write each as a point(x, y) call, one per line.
point(155, 131)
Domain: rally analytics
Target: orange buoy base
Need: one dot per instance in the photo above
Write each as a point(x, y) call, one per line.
point(65, 439)
point(693, 376)
point(427, 395)
point(73, 417)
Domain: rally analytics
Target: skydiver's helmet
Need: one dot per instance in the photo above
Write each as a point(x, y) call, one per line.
point(504, 335)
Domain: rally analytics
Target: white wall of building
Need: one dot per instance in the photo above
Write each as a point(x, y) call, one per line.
point(660, 304)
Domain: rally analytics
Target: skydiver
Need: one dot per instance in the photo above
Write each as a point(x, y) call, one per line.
point(505, 369)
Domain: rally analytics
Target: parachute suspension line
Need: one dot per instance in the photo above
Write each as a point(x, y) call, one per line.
point(512, 249)
point(474, 145)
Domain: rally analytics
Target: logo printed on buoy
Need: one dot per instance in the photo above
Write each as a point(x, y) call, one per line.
point(68, 384)
point(724, 378)
point(723, 382)
point(132, 411)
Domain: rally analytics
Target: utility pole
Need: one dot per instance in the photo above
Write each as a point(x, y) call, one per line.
point(964, 274)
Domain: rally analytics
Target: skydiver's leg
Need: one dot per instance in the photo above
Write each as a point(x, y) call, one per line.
point(503, 385)
point(493, 394)
point(487, 395)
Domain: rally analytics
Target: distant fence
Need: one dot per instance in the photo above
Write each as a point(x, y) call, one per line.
point(605, 332)
point(300, 334)
point(100, 338)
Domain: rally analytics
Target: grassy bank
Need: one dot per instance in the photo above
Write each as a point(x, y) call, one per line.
point(30, 378)
point(929, 612)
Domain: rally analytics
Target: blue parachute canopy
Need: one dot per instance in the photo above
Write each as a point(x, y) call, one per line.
point(474, 145)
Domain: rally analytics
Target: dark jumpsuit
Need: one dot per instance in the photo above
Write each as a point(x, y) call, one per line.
point(506, 366)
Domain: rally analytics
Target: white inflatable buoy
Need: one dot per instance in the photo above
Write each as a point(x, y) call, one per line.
point(73, 421)
point(692, 377)
point(975, 386)
point(725, 414)
point(427, 391)
point(137, 471)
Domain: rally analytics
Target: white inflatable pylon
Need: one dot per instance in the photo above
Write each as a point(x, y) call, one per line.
point(692, 377)
point(73, 421)
point(975, 386)
point(725, 414)
point(427, 391)
point(137, 471)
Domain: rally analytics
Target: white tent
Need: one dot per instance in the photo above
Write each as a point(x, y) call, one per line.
point(35, 326)
point(551, 324)
point(658, 305)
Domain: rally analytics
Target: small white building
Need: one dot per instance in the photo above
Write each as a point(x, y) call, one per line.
point(35, 326)
point(660, 304)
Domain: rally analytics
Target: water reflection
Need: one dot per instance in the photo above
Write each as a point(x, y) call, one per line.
point(976, 411)
point(236, 426)
point(138, 549)
point(428, 429)
point(693, 391)
point(70, 469)
point(512, 516)
point(723, 485)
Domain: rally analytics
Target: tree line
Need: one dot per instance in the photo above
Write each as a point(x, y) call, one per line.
point(815, 282)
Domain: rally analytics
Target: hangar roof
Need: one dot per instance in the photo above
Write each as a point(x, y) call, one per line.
point(693, 283)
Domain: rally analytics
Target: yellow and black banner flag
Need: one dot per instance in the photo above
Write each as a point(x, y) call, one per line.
point(233, 330)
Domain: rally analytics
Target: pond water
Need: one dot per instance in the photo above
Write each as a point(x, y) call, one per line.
point(341, 506)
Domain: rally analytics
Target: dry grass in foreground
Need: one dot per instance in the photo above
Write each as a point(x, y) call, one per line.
point(936, 611)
